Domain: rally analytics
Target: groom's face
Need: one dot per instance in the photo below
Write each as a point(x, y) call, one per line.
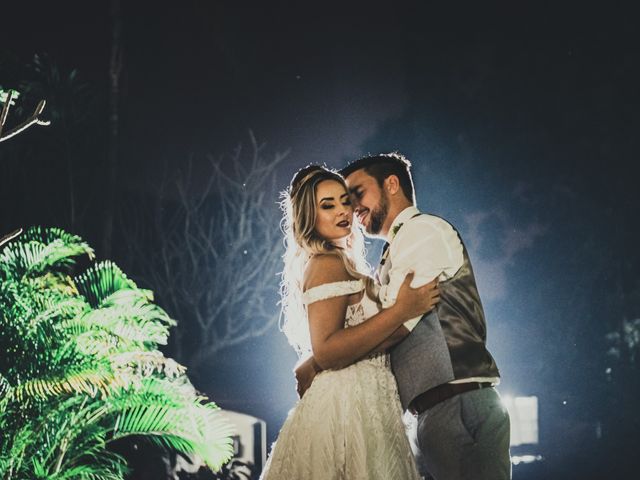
point(369, 201)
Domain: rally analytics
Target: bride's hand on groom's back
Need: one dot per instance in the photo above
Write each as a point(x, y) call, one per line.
point(413, 302)
point(305, 372)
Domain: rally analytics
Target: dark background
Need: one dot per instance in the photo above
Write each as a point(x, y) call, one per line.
point(520, 118)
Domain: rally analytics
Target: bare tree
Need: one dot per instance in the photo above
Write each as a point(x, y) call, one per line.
point(212, 251)
point(7, 98)
point(7, 238)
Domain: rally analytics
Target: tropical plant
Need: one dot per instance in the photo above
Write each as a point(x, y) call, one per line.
point(81, 368)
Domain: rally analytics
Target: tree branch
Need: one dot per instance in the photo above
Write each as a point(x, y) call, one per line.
point(32, 120)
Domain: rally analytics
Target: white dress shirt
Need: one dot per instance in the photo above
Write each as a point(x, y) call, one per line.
point(424, 244)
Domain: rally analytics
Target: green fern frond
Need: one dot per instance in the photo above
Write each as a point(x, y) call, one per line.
point(190, 428)
point(38, 249)
point(101, 343)
point(138, 303)
point(5, 387)
point(75, 326)
point(39, 470)
point(57, 282)
point(58, 310)
point(26, 304)
point(102, 280)
point(89, 382)
point(147, 363)
point(48, 235)
point(136, 323)
point(93, 463)
point(129, 297)
point(89, 471)
point(16, 447)
point(71, 433)
point(16, 258)
point(16, 303)
point(19, 259)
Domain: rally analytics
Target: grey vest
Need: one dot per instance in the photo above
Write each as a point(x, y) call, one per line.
point(448, 343)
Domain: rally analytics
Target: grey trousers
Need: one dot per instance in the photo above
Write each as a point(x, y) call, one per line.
point(465, 437)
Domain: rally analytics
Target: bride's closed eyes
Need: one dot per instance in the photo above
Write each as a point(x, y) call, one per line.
point(328, 206)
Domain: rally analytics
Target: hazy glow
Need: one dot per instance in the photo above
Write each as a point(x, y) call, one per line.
point(524, 419)
point(518, 459)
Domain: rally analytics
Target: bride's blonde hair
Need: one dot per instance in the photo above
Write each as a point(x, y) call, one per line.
point(302, 241)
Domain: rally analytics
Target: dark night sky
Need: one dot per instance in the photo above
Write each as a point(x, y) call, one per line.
point(521, 119)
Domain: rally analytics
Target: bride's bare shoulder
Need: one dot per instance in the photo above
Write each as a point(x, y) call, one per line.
point(324, 268)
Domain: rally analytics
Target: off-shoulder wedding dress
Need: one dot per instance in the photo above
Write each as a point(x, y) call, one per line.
point(348, 425)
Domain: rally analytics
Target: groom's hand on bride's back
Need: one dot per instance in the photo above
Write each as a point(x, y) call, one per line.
point(305, 372)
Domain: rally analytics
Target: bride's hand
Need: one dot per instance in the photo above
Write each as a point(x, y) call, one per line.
point(305, 372)
point(413, 302)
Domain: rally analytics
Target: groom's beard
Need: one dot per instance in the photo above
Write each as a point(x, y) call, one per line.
point(378, 216)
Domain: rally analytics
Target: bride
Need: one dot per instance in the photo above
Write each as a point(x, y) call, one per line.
point(348, 424)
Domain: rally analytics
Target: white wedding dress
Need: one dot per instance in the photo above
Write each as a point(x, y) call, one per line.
point(348, 425)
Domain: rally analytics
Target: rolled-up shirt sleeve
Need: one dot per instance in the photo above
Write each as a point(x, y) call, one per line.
point(429, 247)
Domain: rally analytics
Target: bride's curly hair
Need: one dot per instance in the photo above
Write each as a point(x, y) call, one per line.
point(302, 242)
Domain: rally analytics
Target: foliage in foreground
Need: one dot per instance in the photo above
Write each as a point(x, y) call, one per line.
point(80, 368)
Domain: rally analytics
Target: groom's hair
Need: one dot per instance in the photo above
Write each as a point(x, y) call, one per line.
point(382, 166)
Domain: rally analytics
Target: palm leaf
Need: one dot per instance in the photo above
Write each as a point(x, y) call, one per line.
point(102, 280)
point(190, 428)
point(107, 470)
point(58, 309)
point(146, 363)
point(90, 382)
point(56, 282)
point(15, 448)
point(48, 235)
point(39, 249)
point(20, 259)
point(5, 392)
point(27, 303)
point(70, 437)
point(136, 323)
point(128, 297)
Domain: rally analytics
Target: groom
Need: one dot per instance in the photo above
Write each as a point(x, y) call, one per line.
point(444, 371)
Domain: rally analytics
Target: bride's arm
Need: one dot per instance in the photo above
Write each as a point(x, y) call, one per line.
point(306, 370)
point(335, 346)
point(395, 338)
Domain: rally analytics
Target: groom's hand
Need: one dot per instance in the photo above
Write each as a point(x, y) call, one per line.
point(413, 302)
point(305, 372)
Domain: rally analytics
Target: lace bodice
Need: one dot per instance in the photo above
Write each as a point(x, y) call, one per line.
point(357, 312)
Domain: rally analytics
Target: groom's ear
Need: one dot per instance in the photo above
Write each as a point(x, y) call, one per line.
point(391, 184)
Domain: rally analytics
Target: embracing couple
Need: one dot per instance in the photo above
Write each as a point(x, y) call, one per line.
point(412, 338)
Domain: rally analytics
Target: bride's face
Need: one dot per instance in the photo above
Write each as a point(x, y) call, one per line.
point(334, 214)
